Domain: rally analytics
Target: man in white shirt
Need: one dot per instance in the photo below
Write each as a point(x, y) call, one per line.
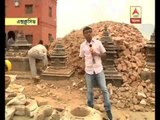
point(92, 50)
point(37, 52)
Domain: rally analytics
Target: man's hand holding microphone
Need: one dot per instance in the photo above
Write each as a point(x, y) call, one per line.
point(92, 51)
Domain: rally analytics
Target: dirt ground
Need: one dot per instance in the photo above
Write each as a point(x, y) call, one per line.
point(71, 92)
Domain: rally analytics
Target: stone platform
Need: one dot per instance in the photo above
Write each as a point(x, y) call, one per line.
point(148, 72)
point(52, 73)
point(112, 76)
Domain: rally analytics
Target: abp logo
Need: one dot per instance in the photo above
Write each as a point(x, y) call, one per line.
point(135, 14)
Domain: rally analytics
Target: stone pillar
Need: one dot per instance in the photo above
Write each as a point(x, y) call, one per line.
point(58, 68)
point(58, 56)
point(17, 54)
point(150, 52)
point(111, 73)
point(148, 71)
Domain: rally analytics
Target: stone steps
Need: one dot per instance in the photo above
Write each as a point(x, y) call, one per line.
point(21, 75)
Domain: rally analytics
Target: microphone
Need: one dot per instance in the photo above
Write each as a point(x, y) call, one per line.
point(90, 45)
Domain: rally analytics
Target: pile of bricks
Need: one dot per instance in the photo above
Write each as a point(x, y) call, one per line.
point(131, 58)
point(138, 96)
point(130, 62)
point(126, 37)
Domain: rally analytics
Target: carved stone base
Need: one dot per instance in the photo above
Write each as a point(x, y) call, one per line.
point(112, 76)
point(52, 73)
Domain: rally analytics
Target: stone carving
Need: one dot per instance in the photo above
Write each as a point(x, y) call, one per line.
point(17, 54)
point(58, 68)
point(20, 47)
point(110, 70)
point(148, 71)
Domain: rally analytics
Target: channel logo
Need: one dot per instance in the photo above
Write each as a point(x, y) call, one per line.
point(135, 14)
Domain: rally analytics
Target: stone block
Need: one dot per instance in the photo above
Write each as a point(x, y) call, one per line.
point(9, 112)
point(8, 99)
point(141, 95)
point(143, 102)
point(55, 115)
point(31, 107)
point(138, 108)
point(43, 112)
point(151, 100)
point(18, 100)
point(41, 101)
point(12, 94)
point(20, 110)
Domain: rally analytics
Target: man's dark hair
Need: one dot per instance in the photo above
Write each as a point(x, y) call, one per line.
point(40, 42)
point(86, 28)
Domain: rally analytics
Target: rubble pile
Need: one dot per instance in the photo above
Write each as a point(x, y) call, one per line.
point(131, 57)
point(128, 40)
point(7, 81)
point(17, 104)
point(138, 96)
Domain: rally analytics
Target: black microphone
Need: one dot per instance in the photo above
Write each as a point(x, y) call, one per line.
point(90, 45)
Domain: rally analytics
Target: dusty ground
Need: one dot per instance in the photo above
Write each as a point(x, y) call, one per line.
point(62, 93)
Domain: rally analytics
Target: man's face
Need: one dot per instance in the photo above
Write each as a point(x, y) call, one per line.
point(88, 34)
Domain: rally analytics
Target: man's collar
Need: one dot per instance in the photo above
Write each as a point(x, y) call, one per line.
point(92, 41)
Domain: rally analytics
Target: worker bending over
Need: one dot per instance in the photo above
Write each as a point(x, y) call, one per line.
point(37, 52)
